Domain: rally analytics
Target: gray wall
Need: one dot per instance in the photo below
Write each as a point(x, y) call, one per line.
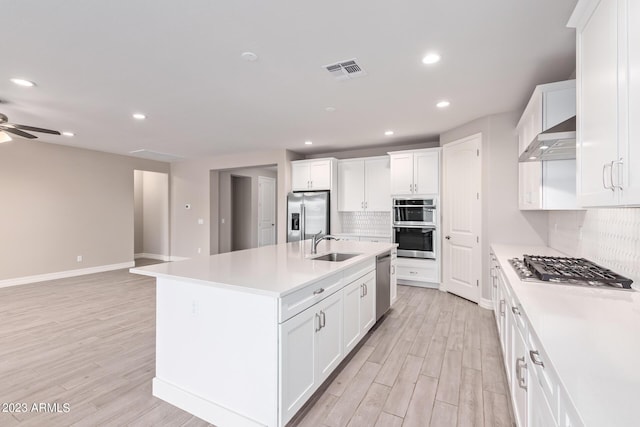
point(224, 206)
point(138, 212)
point(151, 226)
point(191, 182)
point(241, 221)
point(503, 222)
point(373, 151)
point(59, 202)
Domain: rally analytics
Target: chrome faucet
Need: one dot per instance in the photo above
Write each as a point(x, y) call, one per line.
point(317, 239)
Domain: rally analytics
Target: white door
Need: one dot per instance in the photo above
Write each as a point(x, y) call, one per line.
point(300, 176)
point(266, 211)
point(352, 295)
point(351, 185)
point(329, 336)
point(426, 172)
point(461, 258)
point(368, 302)
point(377, 185)
point(597, 114)
point(298, 361)
point(401, 174)
point(320, 175)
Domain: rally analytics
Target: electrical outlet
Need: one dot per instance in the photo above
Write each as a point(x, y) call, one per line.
point(200, 221)
point(79, 258)
point(222, 220)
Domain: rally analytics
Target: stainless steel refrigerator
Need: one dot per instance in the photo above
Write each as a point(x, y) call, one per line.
point(308, 211)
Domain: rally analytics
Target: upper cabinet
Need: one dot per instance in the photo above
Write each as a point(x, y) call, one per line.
point(363, 185)
point(608, 72)
point(415, 172)
point(547, 185)
point(312, 175)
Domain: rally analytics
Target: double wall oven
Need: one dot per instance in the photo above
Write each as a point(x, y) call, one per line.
point(415, 227)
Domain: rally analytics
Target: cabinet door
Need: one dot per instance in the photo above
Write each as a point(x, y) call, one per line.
point(368, 302)
point(540, 414)
point(393, 280)
point(330, 336)
point(300, 176)
point(320, 175)
point(351, 184)
point(377, 185)
point(629, 170)
point(530, 185)
point(401, 174)
point(351, 319)
point(298, 361)
point(597, 144)
point(426, 172)
point(519, 373)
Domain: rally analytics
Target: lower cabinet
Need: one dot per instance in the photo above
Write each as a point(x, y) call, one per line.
point(359, 309)
point(519, 371)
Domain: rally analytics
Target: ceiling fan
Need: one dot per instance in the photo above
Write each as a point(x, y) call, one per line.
point(19, 130)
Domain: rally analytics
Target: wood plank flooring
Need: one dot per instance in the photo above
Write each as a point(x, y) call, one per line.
point(89, 341)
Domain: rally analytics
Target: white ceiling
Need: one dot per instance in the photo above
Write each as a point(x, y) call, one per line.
point(97, 62)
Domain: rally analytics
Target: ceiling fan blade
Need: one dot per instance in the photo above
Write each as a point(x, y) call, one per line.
point(35, 129)
point(17, 132)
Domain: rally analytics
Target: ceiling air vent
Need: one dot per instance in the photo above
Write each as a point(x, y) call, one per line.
point(343, 70)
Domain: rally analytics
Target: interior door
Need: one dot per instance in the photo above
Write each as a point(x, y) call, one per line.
point(462, 218)
point(266, 211)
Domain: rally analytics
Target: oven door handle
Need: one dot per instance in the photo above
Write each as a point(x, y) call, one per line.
point(426, 227)
point(432, 207)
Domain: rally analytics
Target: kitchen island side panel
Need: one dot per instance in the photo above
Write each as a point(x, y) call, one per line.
point(219, 346)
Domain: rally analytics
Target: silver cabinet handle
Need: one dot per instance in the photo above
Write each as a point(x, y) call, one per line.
point(413, 272)
point(393, 269)
point(324, 321)
point(495, 281)
point(415, 188)
point(362, 205)
point(319, 322)
point(620, 164)
point(366, 205)
point(501, 307)
point(604, 170)
point(366, 290)
point(520, 365)
point(515, 310)
point(534, 355)
point(318, 291)
point(361, 290)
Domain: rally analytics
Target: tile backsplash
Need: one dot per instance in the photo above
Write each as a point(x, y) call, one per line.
point(366, 223)
point(609, 237)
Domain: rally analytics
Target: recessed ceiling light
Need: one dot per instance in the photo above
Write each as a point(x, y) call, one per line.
point(330, 109)
point(431, 58)
point(443, 104)
point(4, 137)
point(249, 56)
point(308, 143)
point(544, 147)
point(388, 133)
point(23, 82)
point(532, 158)
point(68, 133)
point(139, 116)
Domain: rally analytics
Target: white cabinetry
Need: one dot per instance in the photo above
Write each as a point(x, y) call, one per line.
point(363, 185)
point(393, 279)
point(312, 175)
point(549, 184)
point(415, 172)
point(359, 309)
point(607, 151)
point(418, 272)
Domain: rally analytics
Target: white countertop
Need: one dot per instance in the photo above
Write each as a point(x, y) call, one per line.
point(591, 336)
point(275, 270)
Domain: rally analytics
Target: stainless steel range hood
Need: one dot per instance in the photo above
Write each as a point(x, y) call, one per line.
point(556, 143)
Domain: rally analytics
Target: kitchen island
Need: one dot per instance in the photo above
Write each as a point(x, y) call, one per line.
point(245, 338)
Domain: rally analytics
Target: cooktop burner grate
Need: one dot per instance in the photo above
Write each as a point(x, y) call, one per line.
point(564, 269)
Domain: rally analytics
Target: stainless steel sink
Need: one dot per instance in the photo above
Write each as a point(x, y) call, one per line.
point(334, 257)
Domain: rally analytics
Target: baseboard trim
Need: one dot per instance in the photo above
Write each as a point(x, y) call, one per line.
point(430, 285)
point(64, 274)
point(201, 408)
point(486, 303)
point(152, 256)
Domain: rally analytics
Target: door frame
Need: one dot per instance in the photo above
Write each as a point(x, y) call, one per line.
point(443, 201)
point(261, 179)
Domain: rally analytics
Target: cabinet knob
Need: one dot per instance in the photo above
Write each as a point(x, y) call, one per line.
point(447, 237)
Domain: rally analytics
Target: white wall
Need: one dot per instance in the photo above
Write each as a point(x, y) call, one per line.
point(59, 202)
point(191, 182)
point(608, 237)
point(373, 151)
point(503, 222)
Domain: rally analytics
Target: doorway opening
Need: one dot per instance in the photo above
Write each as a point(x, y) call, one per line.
point(151, 216)
point(243, 208)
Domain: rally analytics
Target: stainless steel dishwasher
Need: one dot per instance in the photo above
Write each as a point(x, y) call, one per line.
point(383, 281)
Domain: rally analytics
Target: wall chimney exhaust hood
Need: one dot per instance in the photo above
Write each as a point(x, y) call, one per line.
point(555, 143)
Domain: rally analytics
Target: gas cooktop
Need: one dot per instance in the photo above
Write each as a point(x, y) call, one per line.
point(565, 270)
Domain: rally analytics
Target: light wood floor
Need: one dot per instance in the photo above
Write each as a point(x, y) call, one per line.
point(89, 341)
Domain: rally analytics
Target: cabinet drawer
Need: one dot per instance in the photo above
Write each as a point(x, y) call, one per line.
point(375, 239)
point(358, 270)
point(298, 301)
point(424, 273)
point(544, 374)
